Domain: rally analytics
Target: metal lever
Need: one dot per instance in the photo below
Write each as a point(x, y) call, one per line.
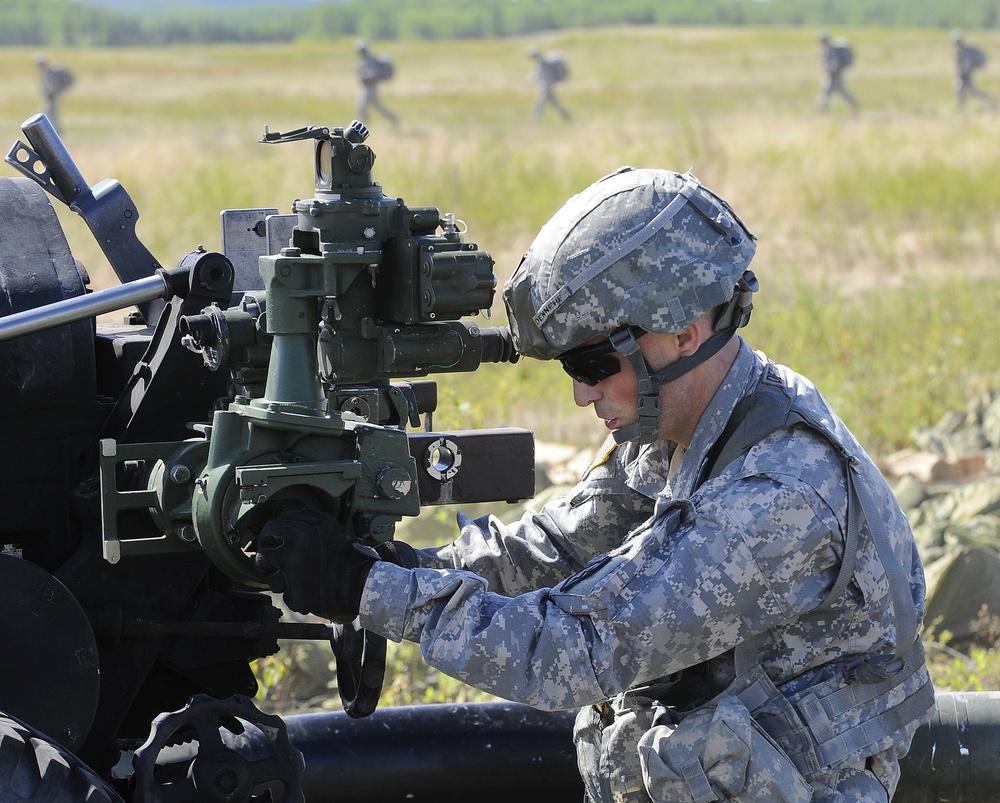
point(107, 208)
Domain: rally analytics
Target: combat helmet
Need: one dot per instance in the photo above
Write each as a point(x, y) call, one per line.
point(640, 250)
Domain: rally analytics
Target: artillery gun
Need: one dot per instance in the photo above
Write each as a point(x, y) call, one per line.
point(138, 462)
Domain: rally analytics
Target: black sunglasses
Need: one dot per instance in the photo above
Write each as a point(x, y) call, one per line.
point(593, 363)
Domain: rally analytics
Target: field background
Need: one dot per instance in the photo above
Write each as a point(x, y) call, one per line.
point(878, 231)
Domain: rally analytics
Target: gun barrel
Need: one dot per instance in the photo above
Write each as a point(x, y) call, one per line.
point(86, 306)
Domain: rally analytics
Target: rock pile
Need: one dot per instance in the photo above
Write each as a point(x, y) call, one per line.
point(949, 486)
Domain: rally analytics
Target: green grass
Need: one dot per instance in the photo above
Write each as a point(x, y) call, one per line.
point(878, 238)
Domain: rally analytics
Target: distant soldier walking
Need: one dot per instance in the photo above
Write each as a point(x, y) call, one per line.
point(55, 79)
point(372, 70)
point(968, 59)
point(550, 69)
point(837, 57)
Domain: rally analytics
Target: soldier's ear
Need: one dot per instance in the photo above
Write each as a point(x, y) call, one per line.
point(690, 340)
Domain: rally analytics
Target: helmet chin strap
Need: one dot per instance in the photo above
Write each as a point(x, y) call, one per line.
point(646, 425)
point(735, 314)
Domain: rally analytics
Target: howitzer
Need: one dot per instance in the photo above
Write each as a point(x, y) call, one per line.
point(143, 459)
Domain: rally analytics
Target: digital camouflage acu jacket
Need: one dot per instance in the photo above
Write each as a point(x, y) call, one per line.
point(632, 579)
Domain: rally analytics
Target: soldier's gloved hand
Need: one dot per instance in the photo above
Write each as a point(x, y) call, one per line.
point(314, 563)
point(398, 552)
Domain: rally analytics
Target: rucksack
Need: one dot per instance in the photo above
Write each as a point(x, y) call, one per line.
point(976, 57)
point(845, 54)
point(58, 79)
point(382, 68)
point(558, 69)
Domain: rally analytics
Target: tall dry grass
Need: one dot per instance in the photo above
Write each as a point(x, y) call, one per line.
point(878, 238)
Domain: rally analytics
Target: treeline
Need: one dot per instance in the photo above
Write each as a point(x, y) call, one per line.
point(75, 23)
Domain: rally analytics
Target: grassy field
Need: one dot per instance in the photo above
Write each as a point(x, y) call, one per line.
point(878, 231)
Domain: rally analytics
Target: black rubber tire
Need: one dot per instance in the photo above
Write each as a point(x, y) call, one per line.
point(32, 768)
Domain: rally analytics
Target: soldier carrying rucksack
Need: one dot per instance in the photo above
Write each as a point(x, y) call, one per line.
point(838, 55)
point(550, 69)
point(55, 79)
point(373, 69)
point(968, 59)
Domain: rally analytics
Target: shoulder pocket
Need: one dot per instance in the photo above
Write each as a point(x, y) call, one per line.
point(587, 489)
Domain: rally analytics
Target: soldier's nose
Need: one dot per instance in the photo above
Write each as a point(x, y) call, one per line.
point(584, 394)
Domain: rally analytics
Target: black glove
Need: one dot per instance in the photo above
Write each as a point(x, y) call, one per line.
point(314, 563)
point(398, 552)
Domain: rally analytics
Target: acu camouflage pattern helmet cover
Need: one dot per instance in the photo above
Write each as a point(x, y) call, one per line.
point(646, 247)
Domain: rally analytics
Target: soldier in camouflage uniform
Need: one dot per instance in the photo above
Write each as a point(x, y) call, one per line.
point(968, 59)
point(549, 70)
point(371, 72)
point(837, 57)
point(55, 79)
point(731, 594)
